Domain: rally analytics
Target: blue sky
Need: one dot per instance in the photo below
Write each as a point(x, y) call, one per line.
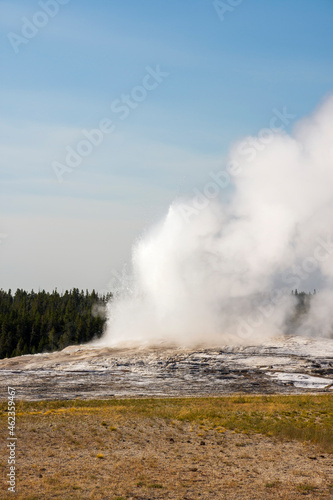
point(224, 79)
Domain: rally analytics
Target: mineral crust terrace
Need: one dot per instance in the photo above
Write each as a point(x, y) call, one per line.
point(285, 365)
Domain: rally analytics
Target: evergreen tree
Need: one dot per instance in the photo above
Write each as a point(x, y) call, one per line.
point(32, 322)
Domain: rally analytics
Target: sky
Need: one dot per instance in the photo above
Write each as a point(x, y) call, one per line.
point(112, 109)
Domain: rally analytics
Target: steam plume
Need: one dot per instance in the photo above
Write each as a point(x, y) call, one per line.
point(216, 272)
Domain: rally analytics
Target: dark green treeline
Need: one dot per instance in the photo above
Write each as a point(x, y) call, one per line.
point(32, 322)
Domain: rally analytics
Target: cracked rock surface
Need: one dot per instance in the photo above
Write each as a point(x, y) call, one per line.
point(284, 365)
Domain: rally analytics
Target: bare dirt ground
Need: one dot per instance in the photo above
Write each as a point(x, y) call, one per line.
point(108, 453)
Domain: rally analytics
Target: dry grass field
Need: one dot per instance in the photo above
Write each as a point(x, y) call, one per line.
point(237, 447)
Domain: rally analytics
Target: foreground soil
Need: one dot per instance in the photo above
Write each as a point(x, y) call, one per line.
point(166, 449)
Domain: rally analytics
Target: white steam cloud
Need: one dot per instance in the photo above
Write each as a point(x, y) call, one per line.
point(214, 272)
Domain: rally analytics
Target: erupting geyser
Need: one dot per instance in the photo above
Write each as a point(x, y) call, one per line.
point(224, 272)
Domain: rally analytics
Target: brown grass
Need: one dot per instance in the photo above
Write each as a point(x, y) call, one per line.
point(231, 447)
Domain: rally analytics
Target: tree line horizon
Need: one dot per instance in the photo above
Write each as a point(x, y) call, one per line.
point(37, 322)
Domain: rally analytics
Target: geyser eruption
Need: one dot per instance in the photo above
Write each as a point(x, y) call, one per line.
point(216, 272)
